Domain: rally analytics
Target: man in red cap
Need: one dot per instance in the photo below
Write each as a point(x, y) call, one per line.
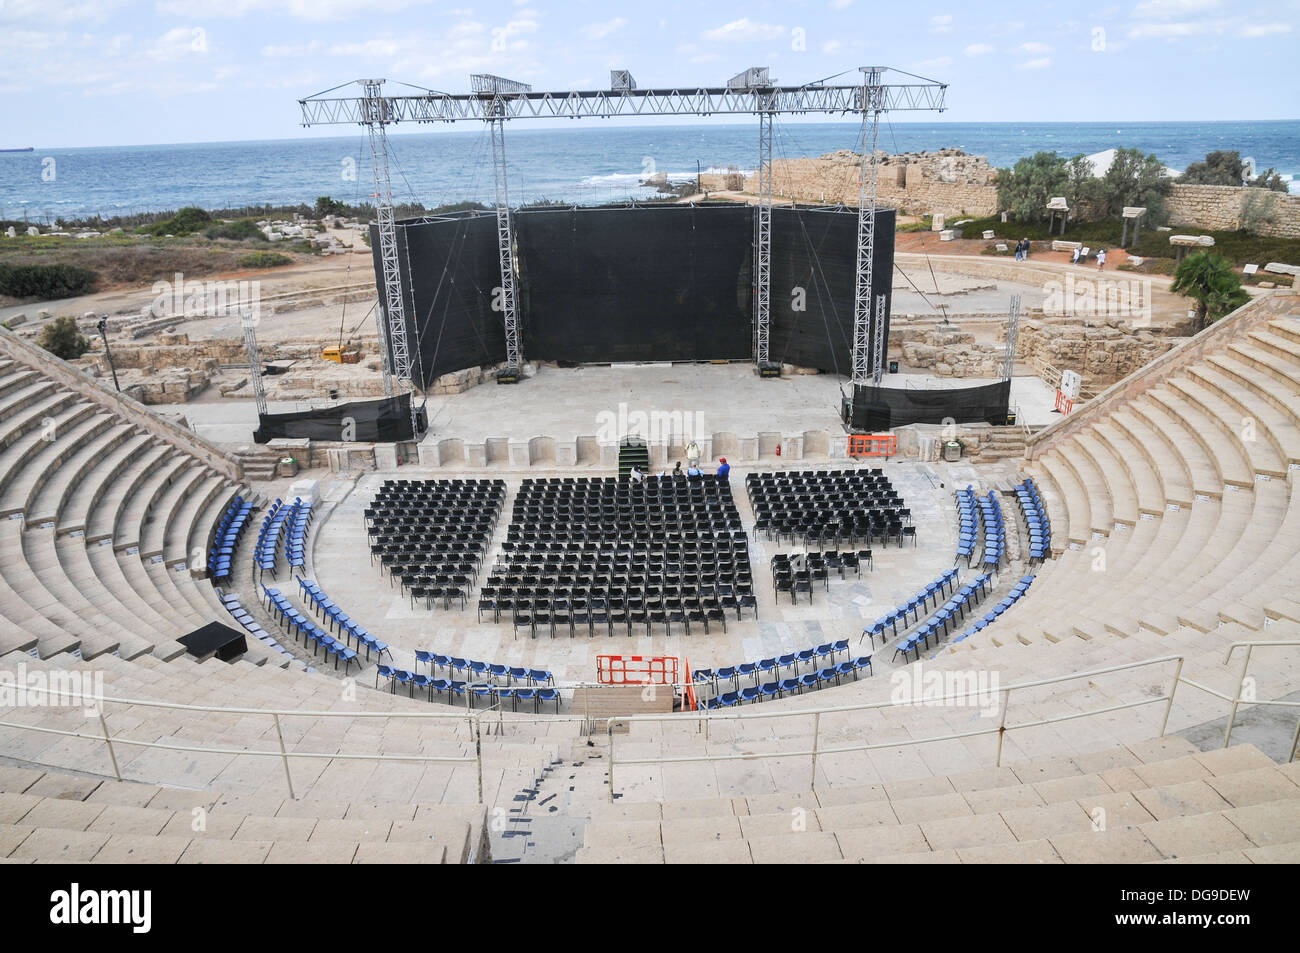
point(723, 468)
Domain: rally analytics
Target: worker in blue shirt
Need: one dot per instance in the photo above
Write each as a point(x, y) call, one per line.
point(723, 468)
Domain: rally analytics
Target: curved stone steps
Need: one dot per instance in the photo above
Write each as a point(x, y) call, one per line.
point(111, 600)
point(18, 454)
point(1287, 328)
point(178, 587)
point(1115, 476)
point(17, 410)
point(198, 539)
point(31, 564)
point(1260, 455)
point(151, 623)
point(14, 376)
point(1176, 434)
point(159, 515)
point(112, 496)
point(1270, 356)
point(133, 513)
point(38, 460)
point(1148, 494)
point(1076, 527)
point(187, 523)
point(69, 499)
point(1256, 395)
point(50, 488)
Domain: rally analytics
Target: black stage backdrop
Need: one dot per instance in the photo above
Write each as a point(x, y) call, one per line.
point(383, 421)
point(881, 408)
point(814, 264)
point(670, 283)
point(647, 284)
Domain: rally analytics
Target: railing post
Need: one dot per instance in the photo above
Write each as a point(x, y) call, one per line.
point(817, 723)
point(1236, 696)
point(109, 742)
point(1178, 675)
point(609, 730)
point(1002, 723)
point(284, 756)
point(478, 752)
point(1295, 742)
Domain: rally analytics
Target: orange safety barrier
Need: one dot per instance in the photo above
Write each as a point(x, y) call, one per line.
point(1063, 404)
point(689, 702)
point(872, 445)
point(636, 669)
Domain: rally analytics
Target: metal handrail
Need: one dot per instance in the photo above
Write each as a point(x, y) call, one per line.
point(1002, 728)
point(474, 719)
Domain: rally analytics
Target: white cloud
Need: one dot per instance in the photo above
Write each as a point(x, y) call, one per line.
point(941, 23)
point(1265, 29)
point(1041, 63)
point(291, 51)
point(1035, 48)
point(830, 46)
point(183, 42)
point(1169, 31)
point(1172, 8)
point(745, 31)
point(840, 4)
point(59, 11)
point(598, 31)
point(978, 49)
point(939, 62)
point(315, 10)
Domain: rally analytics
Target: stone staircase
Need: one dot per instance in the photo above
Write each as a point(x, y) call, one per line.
point(1148, 802)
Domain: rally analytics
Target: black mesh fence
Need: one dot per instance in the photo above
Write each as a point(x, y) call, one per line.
point(385, 420)
point(882, 408)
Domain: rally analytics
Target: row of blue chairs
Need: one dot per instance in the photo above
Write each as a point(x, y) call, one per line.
point(230, 527)
point(296, 547)
point(941, 586)
point(1011, 598)
point(266, 553)
point(1035, 514)
point(279, 605)
point(945, 617)
point(995, 532)
point(777, 689)
point(771, 666)
point(251, 625)
point(532, 676)
point(469, 690)
point(967, 523)
point(332, 615)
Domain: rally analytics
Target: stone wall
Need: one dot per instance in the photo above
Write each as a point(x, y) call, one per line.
point(1103, 354)
point(1226, 208)
point(948, 182)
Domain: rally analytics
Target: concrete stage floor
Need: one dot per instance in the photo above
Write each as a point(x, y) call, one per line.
point(722, 398)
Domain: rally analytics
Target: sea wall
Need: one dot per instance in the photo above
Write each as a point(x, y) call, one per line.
point(1225, 208)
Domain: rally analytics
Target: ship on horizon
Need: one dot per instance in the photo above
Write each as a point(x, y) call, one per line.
point(23, 149)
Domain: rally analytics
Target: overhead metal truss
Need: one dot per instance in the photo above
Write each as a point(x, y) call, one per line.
point(1013, 328)
point(495, 99)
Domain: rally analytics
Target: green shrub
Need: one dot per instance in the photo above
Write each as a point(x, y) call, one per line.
point(264, 259)
point(62, 339)
point(185, 222)
point(245, 229)
point(46, 282)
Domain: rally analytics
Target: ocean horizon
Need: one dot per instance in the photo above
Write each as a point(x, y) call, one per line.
point(585, 164)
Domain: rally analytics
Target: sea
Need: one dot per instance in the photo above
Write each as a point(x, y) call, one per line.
point(585, 163)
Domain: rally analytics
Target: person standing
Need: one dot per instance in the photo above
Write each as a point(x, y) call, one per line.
point(724, 468)
point(693, 455)
point(1026, 243)
point(1020, 247)
point(1076, 255)
point(1101, 259)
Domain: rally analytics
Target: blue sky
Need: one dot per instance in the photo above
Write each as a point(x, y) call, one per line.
point(116, 72)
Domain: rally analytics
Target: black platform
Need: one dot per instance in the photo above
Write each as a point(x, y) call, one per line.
point(225, 643)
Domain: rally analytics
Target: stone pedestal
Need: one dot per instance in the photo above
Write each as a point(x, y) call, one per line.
point(748, 449)
point(566, 453)
point(609, 455)
point(519, 453)
point(476, 455)
point(386, 456)
point(792, 447)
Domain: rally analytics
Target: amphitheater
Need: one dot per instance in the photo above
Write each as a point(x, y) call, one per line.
point(1090, 654)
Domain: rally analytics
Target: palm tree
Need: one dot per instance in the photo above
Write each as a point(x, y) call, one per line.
point(1209, 279)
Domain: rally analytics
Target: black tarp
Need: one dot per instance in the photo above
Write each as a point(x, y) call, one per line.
point(225, 643)
point(814, 266)
point(876, 409)
point(654, 283)
point(645, 284)
point(385, 420)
